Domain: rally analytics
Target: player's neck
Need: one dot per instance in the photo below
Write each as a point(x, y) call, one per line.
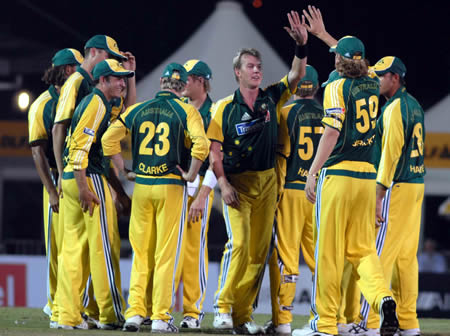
point(249, 95)
point(198, 101)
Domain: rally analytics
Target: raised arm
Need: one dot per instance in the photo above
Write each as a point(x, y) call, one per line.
point(316, 26)
point(299, 34)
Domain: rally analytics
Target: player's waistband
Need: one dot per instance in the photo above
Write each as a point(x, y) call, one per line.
point(355, 169)
point(298, 185)
point(71, 175)
point(158, 180)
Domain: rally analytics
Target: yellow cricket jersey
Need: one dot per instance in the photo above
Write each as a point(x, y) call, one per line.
point(75, 88)
point(40, 121)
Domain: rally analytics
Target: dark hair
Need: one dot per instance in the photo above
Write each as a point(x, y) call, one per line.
point(55, 75)
point(305, 92)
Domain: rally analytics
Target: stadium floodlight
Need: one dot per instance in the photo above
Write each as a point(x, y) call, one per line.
point(23, 100)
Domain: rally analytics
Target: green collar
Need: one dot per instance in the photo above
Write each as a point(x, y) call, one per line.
point(166, 95)
point(53, 92)
point(399, 93)
point(85, 74)
point(303, 101)
point(99, 93)
point(238, 98)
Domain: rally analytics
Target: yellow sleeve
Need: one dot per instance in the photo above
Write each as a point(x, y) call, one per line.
point(112, 137)
point(36, 127)
point(334, 105)
point(85, 133)
point(196, 131)
point(68, 97)
point(285, 96)
point(284, 140)
point(215, 131)
point(392, 142)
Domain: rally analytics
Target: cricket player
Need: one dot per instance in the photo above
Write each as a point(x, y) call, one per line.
point(299, 134)
point(245, 126)
point(345, 199)
point(90, 212)
point(162, 131)
point(194, 266)
point(400, 191)
point(40, 122)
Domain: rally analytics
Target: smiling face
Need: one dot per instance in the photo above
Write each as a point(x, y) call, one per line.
point(112, 86)
point(250, 73)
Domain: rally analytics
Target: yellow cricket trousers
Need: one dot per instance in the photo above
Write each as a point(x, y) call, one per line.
point(350, 296)
point(249, 230)
point(194, 266)
point(397, 243)
point(158, 215)
point(294, 229)
point(344, 210)
point(100, 258)
point(53, 242)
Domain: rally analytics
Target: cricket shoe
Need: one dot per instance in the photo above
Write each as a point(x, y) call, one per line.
point(133, 323)
point(223, 321)
point(388, 317)
point(163, 327)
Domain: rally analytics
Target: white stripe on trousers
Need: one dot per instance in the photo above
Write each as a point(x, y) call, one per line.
point(202, 261)
point(381, 237)
point(313, 322)
point(115, 294)
point(226, 257)
point(179, 244)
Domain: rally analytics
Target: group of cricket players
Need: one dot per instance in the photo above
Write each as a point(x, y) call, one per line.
point(343, 181)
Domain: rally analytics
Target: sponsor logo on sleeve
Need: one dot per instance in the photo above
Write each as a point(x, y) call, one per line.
point(89, 131)
point(334, 110)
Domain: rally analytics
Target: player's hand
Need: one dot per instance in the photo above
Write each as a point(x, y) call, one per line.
point(88, 200)
point(130, 63)
point(53, 199)
point(230, 195)
point(186, 175)
point(129, 174)
point(296, 30)
point(196, 209)
point(310, 188)
point(123, 205)
point(60, 192)
point(378, 213)
point(315, 21)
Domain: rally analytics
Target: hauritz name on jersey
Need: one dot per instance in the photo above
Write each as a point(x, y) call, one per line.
point(251, 126)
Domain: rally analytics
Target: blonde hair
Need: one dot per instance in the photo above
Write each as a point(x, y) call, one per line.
point(237, 60)
point(352, 68)
point(172, 84)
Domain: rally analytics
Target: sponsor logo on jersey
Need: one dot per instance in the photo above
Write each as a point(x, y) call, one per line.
point(250, 126)
point(335, 110)
point(89, 131)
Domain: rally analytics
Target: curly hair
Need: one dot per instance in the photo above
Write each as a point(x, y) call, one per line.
point(352, 68)
point(55, 75)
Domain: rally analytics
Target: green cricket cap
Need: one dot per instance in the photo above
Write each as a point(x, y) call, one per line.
point(67, 56)
point(390, 64)
point(198, 68)
point(110, 67)
point(310, 80)
point(331, 78)
point(349, 47)
point(175, 71)
point(106, 43)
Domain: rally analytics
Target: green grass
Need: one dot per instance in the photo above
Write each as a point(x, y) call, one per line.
point(30, 321)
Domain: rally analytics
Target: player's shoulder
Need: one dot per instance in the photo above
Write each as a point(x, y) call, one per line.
point(221, 104)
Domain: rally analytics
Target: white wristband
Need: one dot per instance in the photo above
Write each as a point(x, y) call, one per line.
point(210, 179)
point(192, 186)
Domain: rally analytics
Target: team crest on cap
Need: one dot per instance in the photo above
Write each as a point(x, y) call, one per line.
point(176, 75)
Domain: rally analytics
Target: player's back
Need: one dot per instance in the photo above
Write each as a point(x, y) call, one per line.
point(158, 132)
point(355, 118)
point(305, 129)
